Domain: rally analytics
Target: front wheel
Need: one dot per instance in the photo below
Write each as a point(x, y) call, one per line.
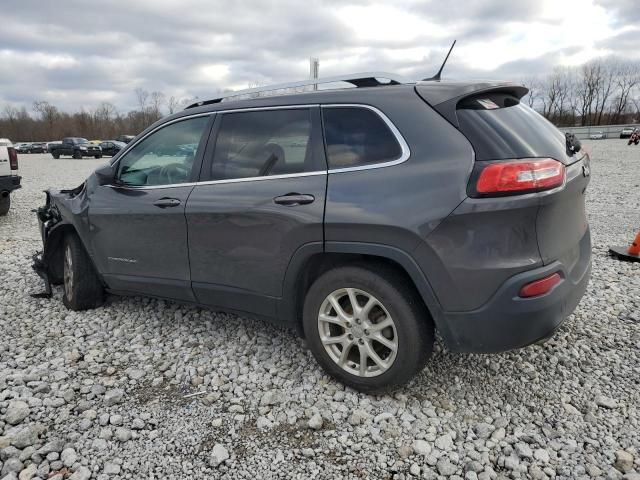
point(5, 204)
point(98, 156)
point(367, 328)
point(77, 154)
point(82, 287)
point(56, 155)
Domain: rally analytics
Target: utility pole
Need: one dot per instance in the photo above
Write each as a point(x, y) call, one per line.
point(314, 69)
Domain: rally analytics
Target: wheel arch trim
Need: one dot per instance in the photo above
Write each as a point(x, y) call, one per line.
point(289, 310)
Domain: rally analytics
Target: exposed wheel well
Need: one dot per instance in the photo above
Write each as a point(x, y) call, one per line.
point(53, 256)
point(320, 263)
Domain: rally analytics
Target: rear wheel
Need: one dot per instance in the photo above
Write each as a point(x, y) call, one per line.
point(5, 204)
point(82, 287)
point(367, 329)
point(56, 155)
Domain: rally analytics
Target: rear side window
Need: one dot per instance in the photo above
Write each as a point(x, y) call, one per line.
point(263, 143)
point(500, 127)
point(357, 136)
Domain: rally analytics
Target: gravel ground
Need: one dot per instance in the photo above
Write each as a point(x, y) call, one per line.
point(104, 394)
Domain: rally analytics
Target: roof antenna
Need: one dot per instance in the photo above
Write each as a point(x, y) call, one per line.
point(436, 77)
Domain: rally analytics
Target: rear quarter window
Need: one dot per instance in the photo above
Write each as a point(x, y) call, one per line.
point(358, 136)
point(500, 127)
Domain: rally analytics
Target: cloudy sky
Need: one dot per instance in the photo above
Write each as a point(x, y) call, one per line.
point(78, 53)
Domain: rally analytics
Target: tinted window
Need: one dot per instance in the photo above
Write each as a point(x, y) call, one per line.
point(500, 127)
point(164, 157)
point(255, 144)
point(357, 136)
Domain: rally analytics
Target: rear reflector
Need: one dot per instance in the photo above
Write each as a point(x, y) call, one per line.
point(539, 287)
point(13, 158)
point(520, 176)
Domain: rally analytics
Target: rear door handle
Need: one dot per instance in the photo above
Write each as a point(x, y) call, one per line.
point(167, 202)
point(293, 199)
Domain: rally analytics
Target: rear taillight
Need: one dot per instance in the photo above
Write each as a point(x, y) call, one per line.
point(539, 287)
point(13, 158)
point(512, 177)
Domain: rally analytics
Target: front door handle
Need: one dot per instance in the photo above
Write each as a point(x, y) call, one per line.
point(293, 199)
point(167, 202)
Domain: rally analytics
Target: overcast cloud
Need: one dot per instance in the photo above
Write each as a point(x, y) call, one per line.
point(75, 53)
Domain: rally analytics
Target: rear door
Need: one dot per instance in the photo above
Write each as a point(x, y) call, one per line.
point(262, 198)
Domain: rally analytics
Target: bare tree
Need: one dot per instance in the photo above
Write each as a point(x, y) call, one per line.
point(48, 113)
point(156, 100)
point(173, 104)
point(627, 78)
point(535, 90)
point(143, 98)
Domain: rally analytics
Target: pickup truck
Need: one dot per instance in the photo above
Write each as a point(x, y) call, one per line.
point(75, 147)
point(9, 178)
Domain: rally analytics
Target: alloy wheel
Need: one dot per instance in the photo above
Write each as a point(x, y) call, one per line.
point(357, 332)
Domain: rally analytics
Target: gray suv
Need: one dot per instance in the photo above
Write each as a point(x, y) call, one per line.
point(365, 218)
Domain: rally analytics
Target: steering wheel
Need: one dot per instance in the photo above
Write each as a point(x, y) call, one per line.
point(174, 172)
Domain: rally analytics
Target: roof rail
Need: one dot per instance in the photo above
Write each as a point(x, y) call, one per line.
point(365, 79)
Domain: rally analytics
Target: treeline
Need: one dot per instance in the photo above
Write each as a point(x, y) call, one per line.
point(600, 92)
point(47, 123)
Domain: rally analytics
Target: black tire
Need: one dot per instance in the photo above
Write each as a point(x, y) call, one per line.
point(56, 155)
point(412, 322)
point(77, 154)
point(98, 156)
point(5, 204)
point(82, 287)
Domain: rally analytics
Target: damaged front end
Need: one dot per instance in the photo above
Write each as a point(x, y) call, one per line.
point(60, 214)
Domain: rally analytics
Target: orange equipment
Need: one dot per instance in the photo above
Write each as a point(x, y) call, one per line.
point(629, 254)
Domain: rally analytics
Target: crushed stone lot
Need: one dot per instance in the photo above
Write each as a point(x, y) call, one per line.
point(105, 394)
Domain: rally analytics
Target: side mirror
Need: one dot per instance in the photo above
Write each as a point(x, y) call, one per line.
point(105, 174)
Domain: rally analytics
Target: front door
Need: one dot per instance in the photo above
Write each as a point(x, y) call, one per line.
point(137, 224)
point(264, 200)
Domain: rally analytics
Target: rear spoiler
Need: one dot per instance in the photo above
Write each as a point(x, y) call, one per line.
point(444, 96)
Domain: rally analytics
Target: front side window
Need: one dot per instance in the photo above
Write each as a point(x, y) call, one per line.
point(357, 136)
point(262, 143)
point(165, 157)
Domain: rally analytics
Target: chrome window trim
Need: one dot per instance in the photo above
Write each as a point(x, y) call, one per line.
point(405, 151)
point(226, 180)
point(404, 146)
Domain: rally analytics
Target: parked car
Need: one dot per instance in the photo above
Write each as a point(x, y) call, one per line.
point(76, 148)
point(95, 142)
point(51, 145)
point(9, 178)
point(23, 148)
point(38, 147)
point(635, 137)
point(125, 138)
point(626, 132)
point(111, 147)
point(365, 218)
point(599, 135)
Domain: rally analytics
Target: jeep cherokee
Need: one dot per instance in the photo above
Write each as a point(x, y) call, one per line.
point(366, 218)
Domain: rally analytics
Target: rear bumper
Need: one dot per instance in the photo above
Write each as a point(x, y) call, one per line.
point(10, 183)
point(507, 322)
